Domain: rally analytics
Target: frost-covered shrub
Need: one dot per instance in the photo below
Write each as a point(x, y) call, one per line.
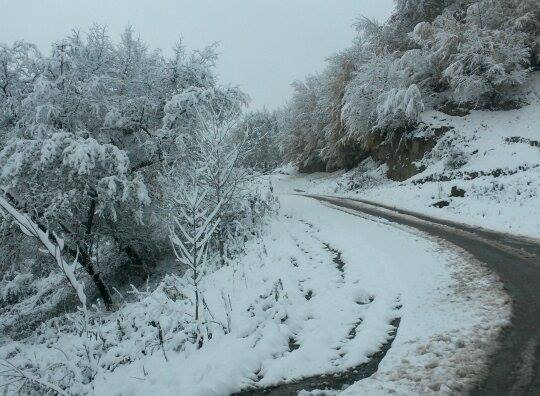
point(158, 322)
point(368, 174)
point(257, 204)
point(13, 290)
point(27, 301)
point(455, 160)
point(30, 289)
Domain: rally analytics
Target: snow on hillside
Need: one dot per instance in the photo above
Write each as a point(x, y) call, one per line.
point(494, 156)
point(315, 295)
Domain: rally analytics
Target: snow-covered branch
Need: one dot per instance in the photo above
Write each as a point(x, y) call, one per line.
point(53, 246)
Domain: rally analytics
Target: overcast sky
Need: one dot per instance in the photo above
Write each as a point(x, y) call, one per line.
point(265, 45)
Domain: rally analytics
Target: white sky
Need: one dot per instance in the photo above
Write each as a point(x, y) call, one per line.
point(265, 45)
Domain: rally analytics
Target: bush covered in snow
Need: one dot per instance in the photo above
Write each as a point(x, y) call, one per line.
point(471, 54)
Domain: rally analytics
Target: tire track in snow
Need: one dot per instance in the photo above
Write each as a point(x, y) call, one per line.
point(336, 380)
point(333, 381)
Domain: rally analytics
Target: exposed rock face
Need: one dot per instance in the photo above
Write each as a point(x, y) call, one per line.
point(441, 204)
point(402, 152)
point(457, 192)
point(312, 167)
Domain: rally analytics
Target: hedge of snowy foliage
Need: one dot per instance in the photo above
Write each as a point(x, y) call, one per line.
point(159, 321)
point(69, 352)
point(462, 53)
point(98, 139)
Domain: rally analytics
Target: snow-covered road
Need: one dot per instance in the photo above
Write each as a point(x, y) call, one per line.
point(515, 367)
point(452, 308)
point(319, 293)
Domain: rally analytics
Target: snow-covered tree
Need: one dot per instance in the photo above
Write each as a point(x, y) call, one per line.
point(308, 122)
point(190, 237)
point(474, 53)
point(85, 133)
point(339, 151)
point(399, 108)
point(258, 132)
point(74, 185)
point(481, 61)
point(488, 67)
point(20, 65)
point(218, 155)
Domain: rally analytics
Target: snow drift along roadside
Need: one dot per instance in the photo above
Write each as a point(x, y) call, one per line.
point(294, 308)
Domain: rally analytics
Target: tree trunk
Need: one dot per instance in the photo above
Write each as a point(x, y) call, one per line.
point(135, 258)
point(221, 246)
point(86, 262)
point(86, 258)
point(219, 230)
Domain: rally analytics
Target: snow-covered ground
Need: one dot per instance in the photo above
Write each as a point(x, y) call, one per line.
point(316, 294)
point(493, 155)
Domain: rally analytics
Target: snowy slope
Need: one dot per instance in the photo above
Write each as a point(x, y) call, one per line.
point(493, 155)
point(298, 311)
point(446, 310)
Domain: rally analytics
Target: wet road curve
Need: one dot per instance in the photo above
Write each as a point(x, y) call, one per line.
point(515, 368)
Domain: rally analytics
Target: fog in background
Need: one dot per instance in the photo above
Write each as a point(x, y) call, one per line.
point(265, 45)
